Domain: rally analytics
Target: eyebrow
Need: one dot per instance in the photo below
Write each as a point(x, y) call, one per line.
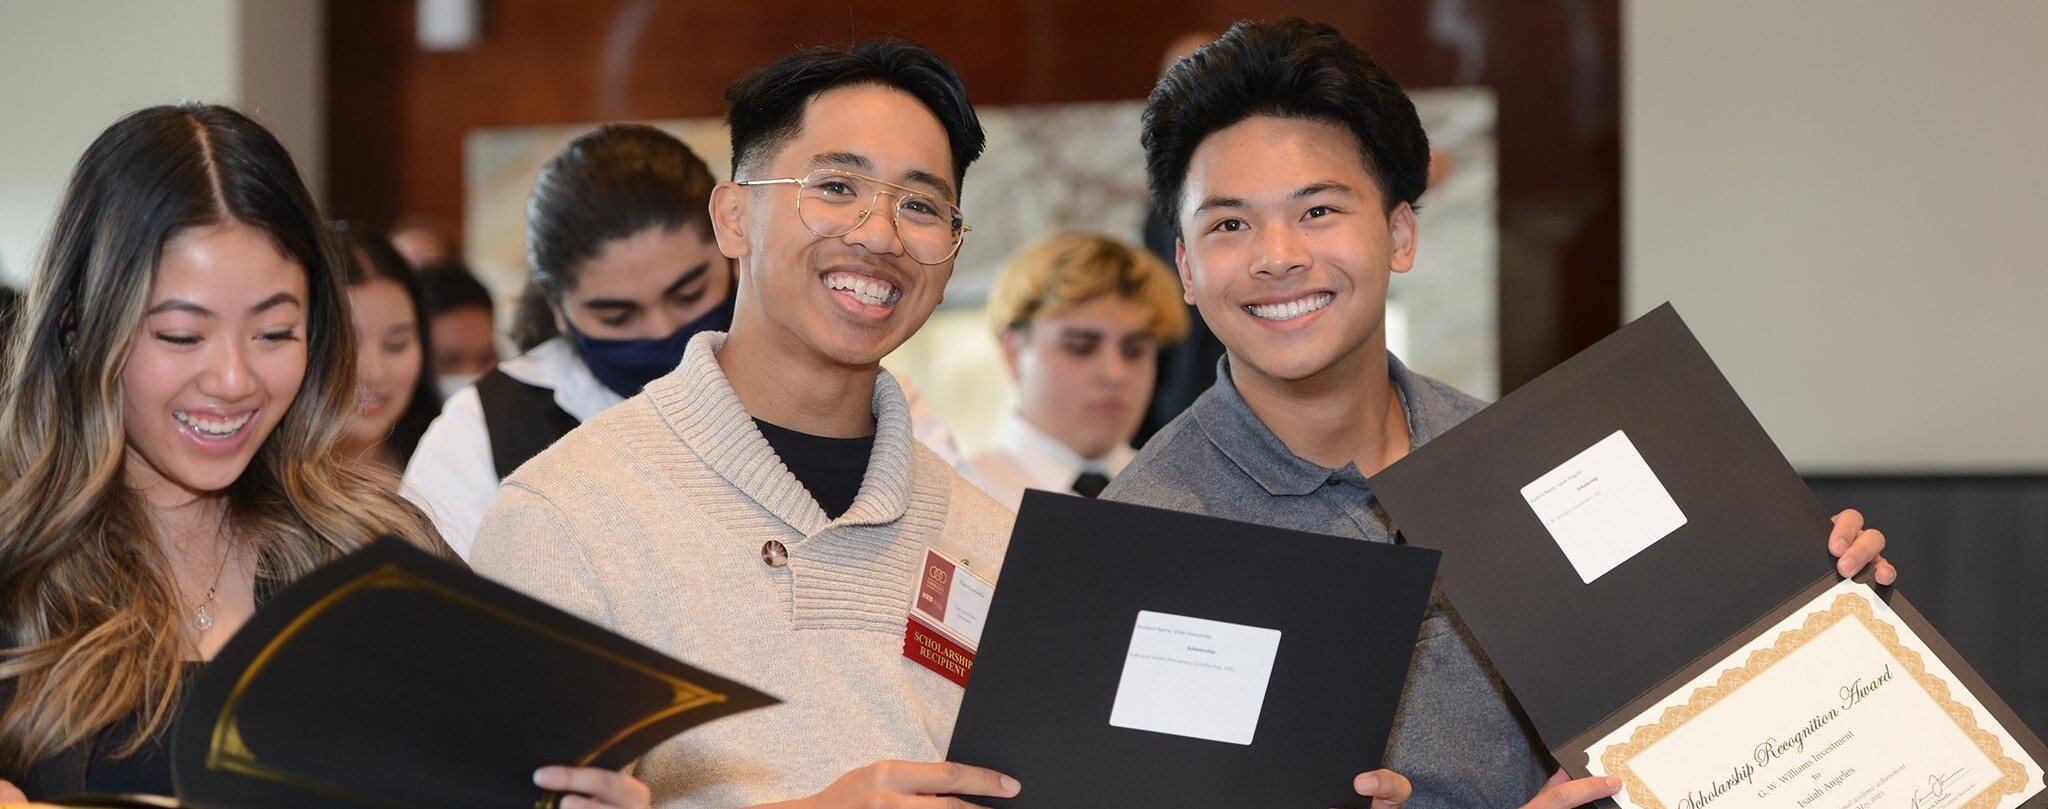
point(689, 276)
point(862, 163)
point(930, 180)
point(1325, 186)
point(188, 307)
point(1304, 192)
point(847, 160)
point(1091, 331)
point(1212, 203)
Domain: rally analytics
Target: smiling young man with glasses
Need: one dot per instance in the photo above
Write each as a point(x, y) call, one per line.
point(763, 510)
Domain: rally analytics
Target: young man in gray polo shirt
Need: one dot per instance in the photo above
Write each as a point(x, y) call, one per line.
point(1289, 165)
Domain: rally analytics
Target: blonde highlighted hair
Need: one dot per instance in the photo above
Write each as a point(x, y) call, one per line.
point(89, 608)
point(1071, 269)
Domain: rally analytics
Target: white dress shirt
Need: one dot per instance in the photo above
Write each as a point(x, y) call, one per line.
point(1026, 458)
point(451, 475)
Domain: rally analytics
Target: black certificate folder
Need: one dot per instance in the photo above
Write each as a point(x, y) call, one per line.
point(1140, 657)
point(1622, 527)
point(392, 679)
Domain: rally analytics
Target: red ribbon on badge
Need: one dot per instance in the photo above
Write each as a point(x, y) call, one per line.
point(937, 651)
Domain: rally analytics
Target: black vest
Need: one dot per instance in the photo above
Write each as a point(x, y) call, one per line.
point(522, 419)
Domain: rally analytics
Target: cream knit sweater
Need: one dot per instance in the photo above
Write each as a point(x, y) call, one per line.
point(650, 518)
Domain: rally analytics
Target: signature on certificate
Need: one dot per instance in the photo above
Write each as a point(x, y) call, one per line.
point(1937, 787)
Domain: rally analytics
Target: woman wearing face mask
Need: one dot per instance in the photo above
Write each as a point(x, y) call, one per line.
point(395, 395)
point(183, 367)
point(461, 326)
point(618, 243)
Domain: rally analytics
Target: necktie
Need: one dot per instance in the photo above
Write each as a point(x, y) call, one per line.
point(1090, 484)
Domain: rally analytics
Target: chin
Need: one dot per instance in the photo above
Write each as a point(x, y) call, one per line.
point(856, 348)
point(1282, 367)
point(209, 479)
point(1097, 451)
point(1296, 362)
point(366, 438)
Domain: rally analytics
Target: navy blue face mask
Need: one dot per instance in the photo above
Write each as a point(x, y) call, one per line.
point(626, 366)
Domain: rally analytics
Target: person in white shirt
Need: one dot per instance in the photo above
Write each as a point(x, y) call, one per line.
point(619, 244)
point(1081, 319)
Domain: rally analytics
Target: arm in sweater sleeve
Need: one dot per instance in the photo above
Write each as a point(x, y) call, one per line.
point(528, 543)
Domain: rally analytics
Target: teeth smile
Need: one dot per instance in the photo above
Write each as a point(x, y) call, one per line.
point(866, 289)
point(1292, 309)
point(213, 427)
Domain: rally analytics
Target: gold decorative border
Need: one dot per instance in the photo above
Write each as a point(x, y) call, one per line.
point(1846, 606)
point(229, 752)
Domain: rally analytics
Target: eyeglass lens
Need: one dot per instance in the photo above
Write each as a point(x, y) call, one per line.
point(832, 204)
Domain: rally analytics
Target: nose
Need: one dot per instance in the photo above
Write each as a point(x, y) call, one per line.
point(1117, 370)
point(371, 366)
point(229, 376)
point(1280, 252)
point(877, 233)
point(661, 321)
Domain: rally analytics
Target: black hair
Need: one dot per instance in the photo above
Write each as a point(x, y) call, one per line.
point(765, 109)
point(610, 183)
point(374, 259)
point(1289, 68)
point(449, 286)
point(533, 320)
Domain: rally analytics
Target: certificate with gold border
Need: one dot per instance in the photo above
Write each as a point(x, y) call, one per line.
point(1648, 575)
point(1840, 705)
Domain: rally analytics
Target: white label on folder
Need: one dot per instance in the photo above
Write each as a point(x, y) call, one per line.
point(1194, 677)
point(1604, 506)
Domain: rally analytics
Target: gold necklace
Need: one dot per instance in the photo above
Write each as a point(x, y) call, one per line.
point(202, 615)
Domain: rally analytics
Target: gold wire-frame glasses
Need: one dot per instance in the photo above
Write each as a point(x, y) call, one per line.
point(832, 203)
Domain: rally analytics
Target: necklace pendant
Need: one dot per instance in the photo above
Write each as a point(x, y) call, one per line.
point(203, 619)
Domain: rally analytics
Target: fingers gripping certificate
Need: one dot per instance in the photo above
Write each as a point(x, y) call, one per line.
point(1838, 706)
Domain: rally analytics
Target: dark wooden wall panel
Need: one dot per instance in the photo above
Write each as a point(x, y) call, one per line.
point(397, 115)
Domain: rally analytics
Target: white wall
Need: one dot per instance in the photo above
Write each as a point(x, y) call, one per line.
point(69, 68)
point(1848, 201)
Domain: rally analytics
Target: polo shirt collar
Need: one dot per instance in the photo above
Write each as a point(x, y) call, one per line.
point(1228, 423)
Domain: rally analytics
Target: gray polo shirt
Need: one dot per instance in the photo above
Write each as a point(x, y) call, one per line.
point(1458, 735)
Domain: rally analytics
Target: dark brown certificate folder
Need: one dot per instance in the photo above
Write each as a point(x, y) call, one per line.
point(393, 679)
point(1584, 657)
point(1095, 597)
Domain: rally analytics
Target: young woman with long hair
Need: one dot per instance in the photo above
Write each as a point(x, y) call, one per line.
point(396, 397)
point(181, 371)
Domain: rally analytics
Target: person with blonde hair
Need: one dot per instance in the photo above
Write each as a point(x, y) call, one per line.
point(1081, 319)
point(181, 372)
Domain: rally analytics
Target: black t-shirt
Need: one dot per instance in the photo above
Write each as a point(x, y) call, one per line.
point(831, 468)
point(91, 767)
point(147, 772)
